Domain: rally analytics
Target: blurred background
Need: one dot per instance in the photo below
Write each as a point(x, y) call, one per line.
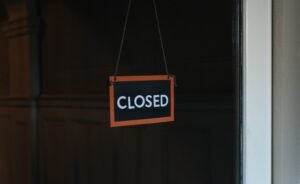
point(55, 59)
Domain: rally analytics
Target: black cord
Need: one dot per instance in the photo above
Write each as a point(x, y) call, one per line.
point(122, 40)
point(123, 37)
point(161, 39)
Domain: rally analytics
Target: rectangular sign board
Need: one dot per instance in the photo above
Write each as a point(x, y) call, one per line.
point(137, 100)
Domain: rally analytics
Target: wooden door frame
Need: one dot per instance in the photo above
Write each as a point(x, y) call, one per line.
point(257, 92)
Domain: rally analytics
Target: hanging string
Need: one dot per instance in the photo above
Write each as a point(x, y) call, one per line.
point(124, 33)
point(161, 39)
point(122, 40)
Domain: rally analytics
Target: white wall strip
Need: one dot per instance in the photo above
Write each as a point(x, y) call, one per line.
point(257, 92)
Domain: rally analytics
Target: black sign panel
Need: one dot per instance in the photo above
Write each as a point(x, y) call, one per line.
point(138, 100)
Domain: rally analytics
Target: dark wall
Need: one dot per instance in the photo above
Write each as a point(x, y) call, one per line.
point(81, 42)
point(79, 48)
point(62, 135)
point(76, 49)
point(3, 60)
point(2, 10)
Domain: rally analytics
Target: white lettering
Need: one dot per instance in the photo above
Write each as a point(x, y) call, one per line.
point(136, 101)
point(162, 97)
point(129, 104)
point(139, 101)
point(119, 102)
point(149, 102)
point(156, 101)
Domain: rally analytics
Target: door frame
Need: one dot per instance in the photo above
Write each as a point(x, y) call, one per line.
point(257, 92)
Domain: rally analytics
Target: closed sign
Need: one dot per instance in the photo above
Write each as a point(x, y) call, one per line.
point(136, 100)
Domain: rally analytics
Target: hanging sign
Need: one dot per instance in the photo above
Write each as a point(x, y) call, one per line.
point(137, 100)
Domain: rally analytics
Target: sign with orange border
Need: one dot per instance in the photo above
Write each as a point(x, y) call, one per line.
point(140, 100)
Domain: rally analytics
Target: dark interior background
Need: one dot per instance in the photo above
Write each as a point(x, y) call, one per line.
point(3, 54)
point(79, 42)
